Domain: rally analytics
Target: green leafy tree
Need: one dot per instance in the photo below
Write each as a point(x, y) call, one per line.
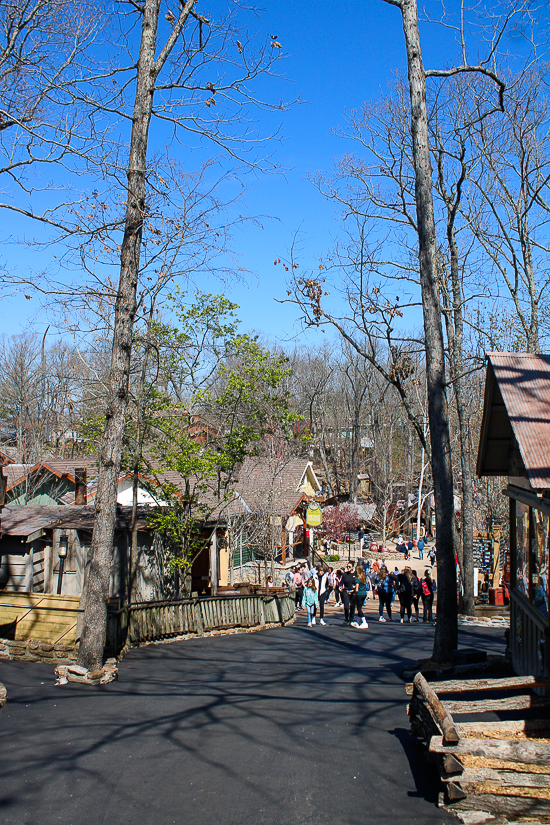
point(220, 396)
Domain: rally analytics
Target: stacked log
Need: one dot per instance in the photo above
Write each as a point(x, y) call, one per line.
point(494, 768)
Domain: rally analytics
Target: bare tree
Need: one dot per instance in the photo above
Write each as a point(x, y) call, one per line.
point(166, 64)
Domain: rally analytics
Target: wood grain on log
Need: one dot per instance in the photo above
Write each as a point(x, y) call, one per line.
point(472, 780)
point(496, 804)
point(504, 749)
point(463, 685)
point(440, 714)
point(450, 765)
point(524, 726)
point(453, 792)
point(501, 764)
point(509, 703)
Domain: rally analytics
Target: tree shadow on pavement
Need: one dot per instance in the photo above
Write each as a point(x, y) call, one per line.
point(424, 773)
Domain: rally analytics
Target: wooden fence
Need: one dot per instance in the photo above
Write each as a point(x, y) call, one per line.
point(151, 621)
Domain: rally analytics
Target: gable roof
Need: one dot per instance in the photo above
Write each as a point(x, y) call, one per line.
point(6, 459)
point(515, 430)
point(15, 473)
point(274, 483)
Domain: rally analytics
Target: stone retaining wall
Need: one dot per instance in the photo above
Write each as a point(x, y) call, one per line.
point(484, 621)
point(32, 650)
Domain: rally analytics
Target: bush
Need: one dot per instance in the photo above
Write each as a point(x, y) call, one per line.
point(334, 557)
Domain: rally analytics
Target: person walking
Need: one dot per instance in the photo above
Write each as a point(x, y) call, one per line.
point(372, 578)
point(409, 549)
point(421, 545)
point(400, 546)
point(404, 594)
point(428, 590)
point(331, 583)
point(416, 593)
point(431, 556)
point(358, 598)
point(311, 601)
point(347, 590)
point(322, 578)
point(338, 588)
point(299, 588)
point(289, 577)
point(385, 592)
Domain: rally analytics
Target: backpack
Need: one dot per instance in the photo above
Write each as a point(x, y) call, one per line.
point(426, 589)
point(404, 586)
point(388, 585)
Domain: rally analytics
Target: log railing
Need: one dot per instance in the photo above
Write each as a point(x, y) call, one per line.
point(152, 621)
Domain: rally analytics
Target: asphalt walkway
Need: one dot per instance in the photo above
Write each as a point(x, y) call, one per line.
point(279, 727)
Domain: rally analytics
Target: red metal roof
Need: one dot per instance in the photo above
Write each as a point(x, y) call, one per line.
point(523, 380)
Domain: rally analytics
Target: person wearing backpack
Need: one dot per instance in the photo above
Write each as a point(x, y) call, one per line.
point(358, 599)
point(421, 546)
point(428, 590)
point(404, 594)
point(385, 592)
point(416, 593)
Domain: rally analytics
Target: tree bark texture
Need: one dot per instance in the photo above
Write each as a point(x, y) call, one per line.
point(446, 634)
point(455, 336)
point(101, 551)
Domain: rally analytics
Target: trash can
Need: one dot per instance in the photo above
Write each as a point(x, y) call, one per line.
point(496, 596)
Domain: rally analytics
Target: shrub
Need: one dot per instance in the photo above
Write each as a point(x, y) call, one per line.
point(334, 557)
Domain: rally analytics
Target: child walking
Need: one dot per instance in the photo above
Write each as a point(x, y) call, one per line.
point(311, 600)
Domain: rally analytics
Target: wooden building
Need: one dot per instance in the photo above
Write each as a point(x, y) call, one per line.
point(515, 443)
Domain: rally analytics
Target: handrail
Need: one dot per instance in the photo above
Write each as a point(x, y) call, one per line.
point(41, 607)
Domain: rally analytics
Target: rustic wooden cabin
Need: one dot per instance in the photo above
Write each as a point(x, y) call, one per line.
point(515, 443)
point(30, 543)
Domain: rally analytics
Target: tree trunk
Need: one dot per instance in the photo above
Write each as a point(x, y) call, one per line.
point(455, 336)
point(95, 615)
point(446, 632)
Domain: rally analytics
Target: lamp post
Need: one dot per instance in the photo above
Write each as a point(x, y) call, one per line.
point(62, 553)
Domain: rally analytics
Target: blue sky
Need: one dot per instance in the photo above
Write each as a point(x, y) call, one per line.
point(337, 57)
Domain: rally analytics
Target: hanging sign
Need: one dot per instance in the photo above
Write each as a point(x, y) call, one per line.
point(314, 515)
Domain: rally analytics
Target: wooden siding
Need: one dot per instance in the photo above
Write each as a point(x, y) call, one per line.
point(45, 618)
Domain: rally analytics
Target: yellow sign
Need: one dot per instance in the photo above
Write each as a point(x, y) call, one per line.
point(314, 515)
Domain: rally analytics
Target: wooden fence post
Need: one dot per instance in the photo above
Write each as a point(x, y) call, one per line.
point(198, 617)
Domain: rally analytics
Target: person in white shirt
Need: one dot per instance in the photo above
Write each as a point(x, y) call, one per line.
point(321, 575)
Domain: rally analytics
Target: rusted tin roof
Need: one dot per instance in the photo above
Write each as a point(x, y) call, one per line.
point(515, 431)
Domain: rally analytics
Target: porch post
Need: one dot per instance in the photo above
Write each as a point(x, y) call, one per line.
point(214, 575)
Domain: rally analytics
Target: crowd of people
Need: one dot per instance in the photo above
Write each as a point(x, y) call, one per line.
point(354, 584)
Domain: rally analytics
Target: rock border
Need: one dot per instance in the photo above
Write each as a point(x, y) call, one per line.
point(83, 676)
point(34, 650)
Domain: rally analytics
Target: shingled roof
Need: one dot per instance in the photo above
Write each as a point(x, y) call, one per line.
point(515, 430)
point(15, 473)
point(272, 483)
